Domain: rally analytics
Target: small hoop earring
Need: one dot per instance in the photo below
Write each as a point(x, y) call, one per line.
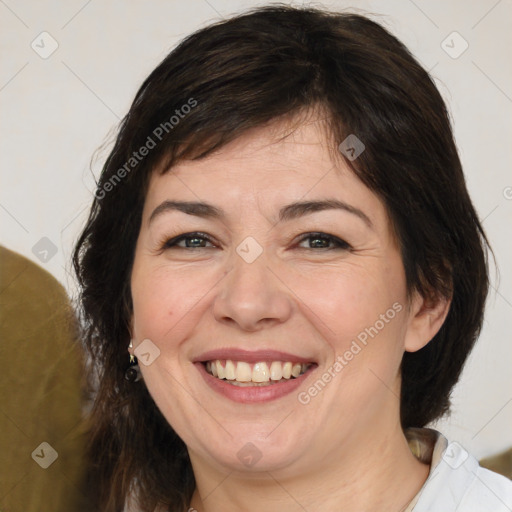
point(132, 373)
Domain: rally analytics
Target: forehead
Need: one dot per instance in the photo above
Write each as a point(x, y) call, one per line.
point(266, 168)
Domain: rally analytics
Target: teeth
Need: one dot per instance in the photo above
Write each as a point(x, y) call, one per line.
point(230, 370)
point(276, 370)
point(287, 370)
point(242, 373)
point(260, 373)
point(220, 370)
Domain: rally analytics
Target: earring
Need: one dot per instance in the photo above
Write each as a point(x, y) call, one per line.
point(132, 373)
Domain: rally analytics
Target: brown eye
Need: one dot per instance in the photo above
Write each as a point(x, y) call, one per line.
point(324, 241)
point(189, 241)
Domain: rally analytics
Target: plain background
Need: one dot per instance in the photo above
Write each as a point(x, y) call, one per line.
point(57, 111)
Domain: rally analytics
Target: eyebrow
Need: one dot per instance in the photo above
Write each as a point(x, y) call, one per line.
point(286, 213)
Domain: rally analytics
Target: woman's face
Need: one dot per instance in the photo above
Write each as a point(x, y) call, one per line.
point(290, 261)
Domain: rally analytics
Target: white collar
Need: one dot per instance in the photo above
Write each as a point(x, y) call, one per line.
point(456, 482)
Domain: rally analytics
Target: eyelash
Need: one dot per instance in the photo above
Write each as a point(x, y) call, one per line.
point(340, 244)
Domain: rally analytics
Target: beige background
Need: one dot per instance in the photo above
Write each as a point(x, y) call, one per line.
point(57, 111)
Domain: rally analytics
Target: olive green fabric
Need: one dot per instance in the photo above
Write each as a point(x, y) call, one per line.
point(501, 463)
point(40, 392)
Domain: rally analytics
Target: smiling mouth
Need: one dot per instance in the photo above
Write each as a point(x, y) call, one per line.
point(264, 373)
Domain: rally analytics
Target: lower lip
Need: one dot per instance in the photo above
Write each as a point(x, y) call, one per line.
point(253, 394)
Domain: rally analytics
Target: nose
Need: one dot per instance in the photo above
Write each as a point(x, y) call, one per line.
point(252, 296)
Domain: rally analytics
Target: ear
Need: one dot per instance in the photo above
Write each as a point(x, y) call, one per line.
point(426, 316)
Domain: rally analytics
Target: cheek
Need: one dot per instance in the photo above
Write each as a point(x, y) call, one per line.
point(349, 300)
point(166, 299)
point(360, 311)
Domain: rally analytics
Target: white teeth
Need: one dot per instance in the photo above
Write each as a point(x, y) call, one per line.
point(230, 370)
point(276, 371)
point(220, 370)
point(261, 373)
point(251, 384)
point(243, 372)
point(287, 370)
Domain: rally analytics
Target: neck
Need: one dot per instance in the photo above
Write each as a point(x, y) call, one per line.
point(367, 473)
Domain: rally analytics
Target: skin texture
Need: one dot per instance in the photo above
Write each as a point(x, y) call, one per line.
point(345, 449)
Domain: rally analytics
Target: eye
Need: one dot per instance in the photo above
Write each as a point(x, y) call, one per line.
point(196, 240)
point(324, 241)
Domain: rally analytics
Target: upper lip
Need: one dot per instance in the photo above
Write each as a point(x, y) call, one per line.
point(237, 354)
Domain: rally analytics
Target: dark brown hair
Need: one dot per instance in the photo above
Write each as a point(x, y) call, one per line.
point(242, 73)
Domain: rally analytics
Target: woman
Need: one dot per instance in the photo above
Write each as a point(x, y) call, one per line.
point(283, 238)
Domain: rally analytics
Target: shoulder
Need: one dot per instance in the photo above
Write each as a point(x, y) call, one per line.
point(32, 302)
point(488, 492)
point(19, 275)
point(458, 483)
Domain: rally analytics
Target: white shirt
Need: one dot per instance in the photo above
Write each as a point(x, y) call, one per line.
point(456, 482)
